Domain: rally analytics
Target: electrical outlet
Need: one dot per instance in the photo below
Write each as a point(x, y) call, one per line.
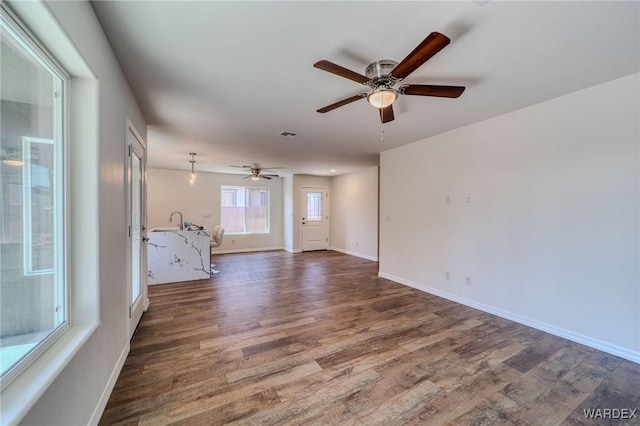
point(388, 218)
point(468, 198)
point(447, 199)
point(447, 275)
point(233, 241)
point(467, 280)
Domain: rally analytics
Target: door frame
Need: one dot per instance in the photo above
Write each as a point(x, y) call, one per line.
point(134, 313)
point(303, 213)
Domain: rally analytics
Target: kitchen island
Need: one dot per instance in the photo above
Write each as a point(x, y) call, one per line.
point(175, 256)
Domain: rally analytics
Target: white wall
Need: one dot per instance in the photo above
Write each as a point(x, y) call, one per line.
point(83, 386)
point(169, 190)
point(551, 235)
point(354, 213)
point(300, 181)
point(287, 188)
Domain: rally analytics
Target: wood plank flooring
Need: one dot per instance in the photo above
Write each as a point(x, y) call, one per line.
point(317, 338)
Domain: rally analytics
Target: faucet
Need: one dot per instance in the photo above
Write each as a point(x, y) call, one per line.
point(181, 222)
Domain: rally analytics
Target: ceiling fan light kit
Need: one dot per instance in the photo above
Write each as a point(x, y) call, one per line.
point(382, 98)
point(382, 75)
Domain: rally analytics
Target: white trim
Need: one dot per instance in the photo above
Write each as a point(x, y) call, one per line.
point(245, 250)
point(23, 392)
point(106, 393)
point(130, 126)
point(135, 308)
point(290, 250)
point(353, 253)
point(549, 328)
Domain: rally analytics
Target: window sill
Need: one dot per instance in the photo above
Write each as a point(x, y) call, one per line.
point(23, 392)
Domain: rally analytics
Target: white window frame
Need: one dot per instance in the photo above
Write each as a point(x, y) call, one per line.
point(82, 201)
point(61, 207)
point(233, 193)
point(245, 202)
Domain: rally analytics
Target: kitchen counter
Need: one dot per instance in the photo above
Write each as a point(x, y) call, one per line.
point(176, 256)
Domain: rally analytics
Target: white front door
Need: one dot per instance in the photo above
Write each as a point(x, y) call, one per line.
point(315, 219)
point(136, 218)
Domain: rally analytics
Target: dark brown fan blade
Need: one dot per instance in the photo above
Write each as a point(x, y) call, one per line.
point(386, 114)
point(342, 102)
point(341, 71)
point(265, 177)
point(241, 167)
point(431, 45)
point(430, 90)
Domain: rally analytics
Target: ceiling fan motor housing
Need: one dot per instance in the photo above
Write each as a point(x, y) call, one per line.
point(380, 68)
point(379, 74)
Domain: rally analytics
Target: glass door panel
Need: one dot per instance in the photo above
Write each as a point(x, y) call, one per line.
point(136, 226)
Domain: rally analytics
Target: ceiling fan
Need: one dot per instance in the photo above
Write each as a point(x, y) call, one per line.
point(382, 75)
point(255, 172)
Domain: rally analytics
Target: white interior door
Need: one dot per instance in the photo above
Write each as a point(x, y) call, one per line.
point(315, 219)
point(136, 217)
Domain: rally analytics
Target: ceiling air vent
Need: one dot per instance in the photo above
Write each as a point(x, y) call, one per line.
point(286, 134)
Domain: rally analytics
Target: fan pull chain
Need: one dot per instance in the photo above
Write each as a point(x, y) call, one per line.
point(381, 132)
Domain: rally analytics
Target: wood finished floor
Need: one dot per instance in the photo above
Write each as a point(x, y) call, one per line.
point(318, 338)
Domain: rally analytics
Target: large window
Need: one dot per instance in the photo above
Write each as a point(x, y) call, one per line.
point(245, 210)
point(33, 291)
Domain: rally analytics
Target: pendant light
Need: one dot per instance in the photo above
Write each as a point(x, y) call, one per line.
point(193, 177)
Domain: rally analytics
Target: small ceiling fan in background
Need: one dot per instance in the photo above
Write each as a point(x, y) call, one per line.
point(383, 74)
point(255, 172)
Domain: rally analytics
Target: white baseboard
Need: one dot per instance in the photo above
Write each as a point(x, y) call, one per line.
point(353, 253)
point(539, 325)
point(106, 393)
point(245, 250)
point(290, 250)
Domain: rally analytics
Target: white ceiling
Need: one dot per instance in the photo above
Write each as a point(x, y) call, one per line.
point(224, 78)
